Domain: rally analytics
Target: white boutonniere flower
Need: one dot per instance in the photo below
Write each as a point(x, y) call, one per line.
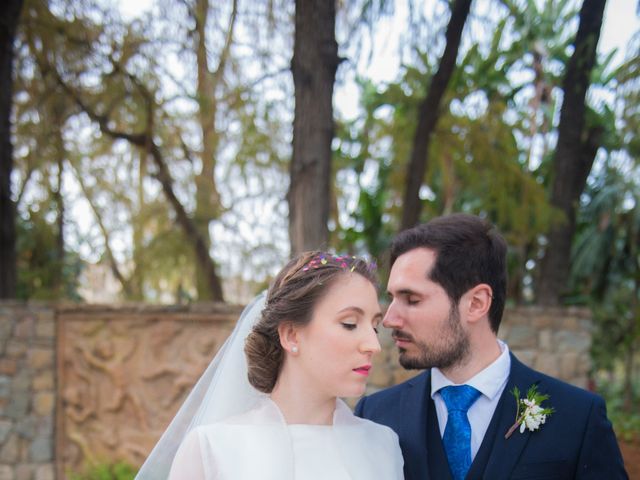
point(530, 413)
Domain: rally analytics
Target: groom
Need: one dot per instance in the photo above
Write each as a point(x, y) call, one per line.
point(448, 285)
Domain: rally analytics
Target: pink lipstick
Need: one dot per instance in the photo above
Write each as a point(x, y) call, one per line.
point(363, 370)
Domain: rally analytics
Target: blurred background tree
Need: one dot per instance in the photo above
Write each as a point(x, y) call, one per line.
point(183, 152)
point(141, 107)
point(9, 15)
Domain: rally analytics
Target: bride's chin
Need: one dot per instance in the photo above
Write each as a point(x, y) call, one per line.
point(355, 392)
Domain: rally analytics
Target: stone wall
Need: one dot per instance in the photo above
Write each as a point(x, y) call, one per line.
point(555, 341)
point(27, 392)
point(82, 384)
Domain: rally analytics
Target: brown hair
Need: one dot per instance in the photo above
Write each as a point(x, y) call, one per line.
point(292, 298)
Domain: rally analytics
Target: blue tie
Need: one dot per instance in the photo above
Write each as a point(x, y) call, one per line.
point(457, 433)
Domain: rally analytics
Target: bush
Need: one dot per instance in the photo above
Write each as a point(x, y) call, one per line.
point(625, 424)
point(106, 471)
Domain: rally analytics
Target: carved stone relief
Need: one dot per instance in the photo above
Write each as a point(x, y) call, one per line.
point(124, 376)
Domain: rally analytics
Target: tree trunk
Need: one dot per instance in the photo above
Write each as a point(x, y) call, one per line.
point(61, 154)
point(207, 196)
point(429, 113)
point(574, 155)
point(9, 15)
point(314, 64)
point(58, 281)
point(136, 281)
point(188, 226)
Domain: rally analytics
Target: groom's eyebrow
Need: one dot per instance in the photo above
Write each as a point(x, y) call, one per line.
point(403, 291)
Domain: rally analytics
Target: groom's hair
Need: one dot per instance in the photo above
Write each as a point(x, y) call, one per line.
point(469, 251)
point(292, 298)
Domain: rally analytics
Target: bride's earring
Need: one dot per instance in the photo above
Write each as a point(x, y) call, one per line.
point(294, 349)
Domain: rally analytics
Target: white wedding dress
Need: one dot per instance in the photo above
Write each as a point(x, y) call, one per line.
point(260, 445)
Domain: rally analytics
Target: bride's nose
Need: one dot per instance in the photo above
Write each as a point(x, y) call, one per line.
point(370, 343)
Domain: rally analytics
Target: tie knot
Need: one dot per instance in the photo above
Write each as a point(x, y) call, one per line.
point(459, 397)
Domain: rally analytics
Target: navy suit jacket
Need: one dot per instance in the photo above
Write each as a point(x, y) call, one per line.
point(577, 440)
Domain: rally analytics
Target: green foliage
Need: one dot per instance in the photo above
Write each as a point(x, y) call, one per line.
point(606, 262)
point(625, 424)
point(628, 78)
point(606, 249)
point(88, 83)
point(106, 471)
point(476, 162)
point(42, 274)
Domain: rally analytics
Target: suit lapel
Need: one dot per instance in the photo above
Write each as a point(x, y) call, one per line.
point(415, 409)
point(506, 452)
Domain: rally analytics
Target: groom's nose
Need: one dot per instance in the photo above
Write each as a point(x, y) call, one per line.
point(391, 318)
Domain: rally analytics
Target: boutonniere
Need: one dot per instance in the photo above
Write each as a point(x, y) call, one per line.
point(530, 413)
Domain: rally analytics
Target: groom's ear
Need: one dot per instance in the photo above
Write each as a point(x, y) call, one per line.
point(288, 334)
point(478, 302)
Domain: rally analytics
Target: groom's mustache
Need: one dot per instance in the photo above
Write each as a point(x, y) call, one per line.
point(400, 335)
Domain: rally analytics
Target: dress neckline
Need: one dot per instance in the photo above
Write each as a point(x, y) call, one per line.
point(307, 425)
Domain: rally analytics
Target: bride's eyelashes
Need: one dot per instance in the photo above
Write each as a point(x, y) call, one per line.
point(353, 326)
point(348, 326)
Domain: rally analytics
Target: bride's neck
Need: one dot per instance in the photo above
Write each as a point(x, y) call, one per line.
point(302, 407)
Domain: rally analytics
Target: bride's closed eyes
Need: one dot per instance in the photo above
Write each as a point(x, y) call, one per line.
point(352, 326)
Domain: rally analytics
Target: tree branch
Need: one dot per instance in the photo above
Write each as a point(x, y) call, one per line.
point(126, 286)
point(145, 141)
point(224, 54)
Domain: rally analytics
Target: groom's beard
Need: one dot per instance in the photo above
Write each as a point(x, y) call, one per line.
point(450, 346)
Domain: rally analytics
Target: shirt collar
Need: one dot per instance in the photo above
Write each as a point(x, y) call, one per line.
point(489, 381)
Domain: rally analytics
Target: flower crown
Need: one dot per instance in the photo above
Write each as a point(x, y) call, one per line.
point(348, 262)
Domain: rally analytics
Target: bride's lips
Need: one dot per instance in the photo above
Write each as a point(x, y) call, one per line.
point(363, 370)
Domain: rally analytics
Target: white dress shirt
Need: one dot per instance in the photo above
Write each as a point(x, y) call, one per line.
point(490, 382)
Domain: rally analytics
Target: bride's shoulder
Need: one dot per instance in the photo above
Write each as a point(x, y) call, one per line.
point(262, 412)
point(261, 417)
point(374, 428)
point(365, 426)
point(236, 430)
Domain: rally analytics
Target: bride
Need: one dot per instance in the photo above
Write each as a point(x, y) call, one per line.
point(274, 412)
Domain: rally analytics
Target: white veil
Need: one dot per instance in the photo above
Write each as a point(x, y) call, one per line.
point(222, 391)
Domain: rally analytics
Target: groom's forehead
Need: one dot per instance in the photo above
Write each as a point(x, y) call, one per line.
point(415, 264)
point(418, 254)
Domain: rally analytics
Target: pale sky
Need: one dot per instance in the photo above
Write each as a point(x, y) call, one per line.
point(620, 23)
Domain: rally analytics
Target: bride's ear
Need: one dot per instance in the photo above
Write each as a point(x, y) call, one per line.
point(288, 337)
